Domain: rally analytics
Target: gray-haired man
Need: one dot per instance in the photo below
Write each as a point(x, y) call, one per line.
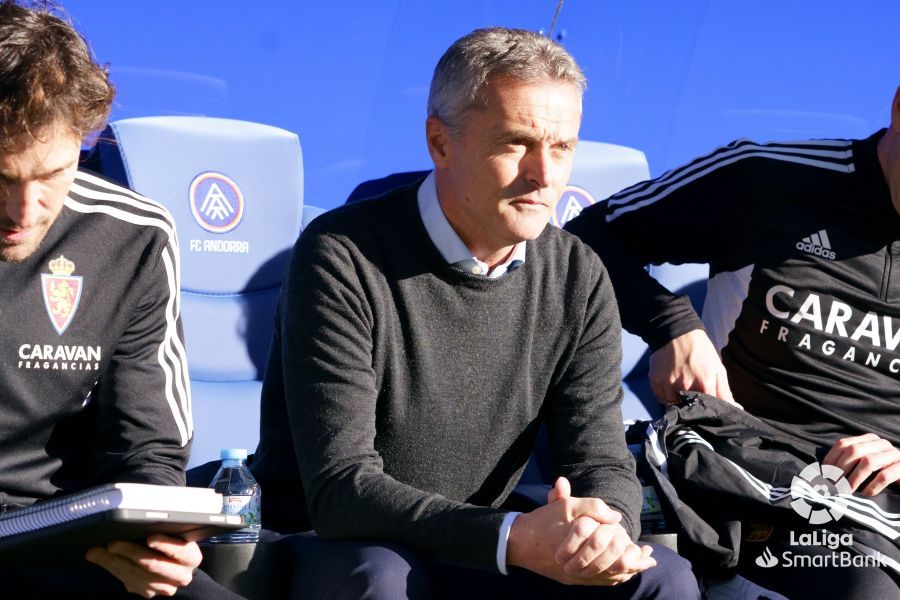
point(424, 336)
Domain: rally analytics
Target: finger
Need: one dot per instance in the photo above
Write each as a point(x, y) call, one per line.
point(629, 567)
point(842, 446)
point(867, 465)
point(136, 580)
point(561, 489)
point(634, 560)
point(664, 392)
point(579, 563)
point(631, 561)
point(582, 529)
point(888, 475)
point(594, 508)
point(185, 553)
point(708, 384)
point(850, 456)
point(612, 580)
point(723, 389)
point(604, 557)
point(157, 567)
point(672, 395)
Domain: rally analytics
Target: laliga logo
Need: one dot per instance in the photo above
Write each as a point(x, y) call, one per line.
point(818, 483)
point(216, 202)
point(573, 200)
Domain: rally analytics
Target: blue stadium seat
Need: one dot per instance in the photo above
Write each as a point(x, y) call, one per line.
point(235, 189)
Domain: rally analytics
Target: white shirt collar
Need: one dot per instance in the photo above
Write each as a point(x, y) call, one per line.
point(448, 242)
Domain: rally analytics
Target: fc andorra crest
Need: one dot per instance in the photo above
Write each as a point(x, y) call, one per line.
point(574, 199)
point(216, 202)
point(62, 291)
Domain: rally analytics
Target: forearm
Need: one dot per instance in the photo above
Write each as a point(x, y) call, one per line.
point(654, 313)
point(364, 503)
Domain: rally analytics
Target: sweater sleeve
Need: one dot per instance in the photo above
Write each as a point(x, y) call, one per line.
point(689, 214)
point(144, 424)
point(326, 328)
point(584, 415)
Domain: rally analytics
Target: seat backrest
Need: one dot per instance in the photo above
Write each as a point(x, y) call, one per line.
point(235, 189)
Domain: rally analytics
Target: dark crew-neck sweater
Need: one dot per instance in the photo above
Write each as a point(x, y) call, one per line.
point(402, 396)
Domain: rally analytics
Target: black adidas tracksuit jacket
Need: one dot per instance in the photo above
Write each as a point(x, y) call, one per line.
point(718, 469)
point(93, 375)
point(802, 242)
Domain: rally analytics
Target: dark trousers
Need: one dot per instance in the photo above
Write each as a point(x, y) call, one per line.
point(90, 581)
point(359, 570)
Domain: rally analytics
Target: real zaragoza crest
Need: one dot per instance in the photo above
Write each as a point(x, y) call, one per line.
point(62, 291)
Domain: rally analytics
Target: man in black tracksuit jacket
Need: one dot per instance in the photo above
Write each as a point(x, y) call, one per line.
point(802, 243)
point(93, 374)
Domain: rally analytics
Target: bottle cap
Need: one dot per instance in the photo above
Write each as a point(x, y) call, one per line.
point(233, 454)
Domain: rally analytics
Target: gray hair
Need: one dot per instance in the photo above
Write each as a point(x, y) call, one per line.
point(469, 64)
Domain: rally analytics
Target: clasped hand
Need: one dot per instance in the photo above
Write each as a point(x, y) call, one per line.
point(576, 541)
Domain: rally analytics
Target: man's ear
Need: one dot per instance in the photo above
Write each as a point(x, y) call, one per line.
point(437, 136)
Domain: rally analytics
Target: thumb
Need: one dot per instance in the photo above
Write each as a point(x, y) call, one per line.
point(562, 489)
point(723, 390)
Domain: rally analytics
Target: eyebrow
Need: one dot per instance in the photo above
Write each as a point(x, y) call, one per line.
point(517, 133)
point(5, 175)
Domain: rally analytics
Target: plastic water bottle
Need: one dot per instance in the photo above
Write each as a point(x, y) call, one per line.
point(240, 496)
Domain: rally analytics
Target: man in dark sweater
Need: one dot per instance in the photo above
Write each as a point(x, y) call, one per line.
point(423, 338)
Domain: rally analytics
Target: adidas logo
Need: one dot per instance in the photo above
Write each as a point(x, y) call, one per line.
point(818, 245)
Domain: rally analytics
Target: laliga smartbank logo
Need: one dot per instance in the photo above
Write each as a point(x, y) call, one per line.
point(805, 550)
point(825, 486)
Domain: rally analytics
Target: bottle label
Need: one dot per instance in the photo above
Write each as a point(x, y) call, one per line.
point(245, 505)
point(651, 501)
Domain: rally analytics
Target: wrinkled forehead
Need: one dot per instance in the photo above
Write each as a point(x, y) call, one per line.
point(502, 81)
point(547, 105)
